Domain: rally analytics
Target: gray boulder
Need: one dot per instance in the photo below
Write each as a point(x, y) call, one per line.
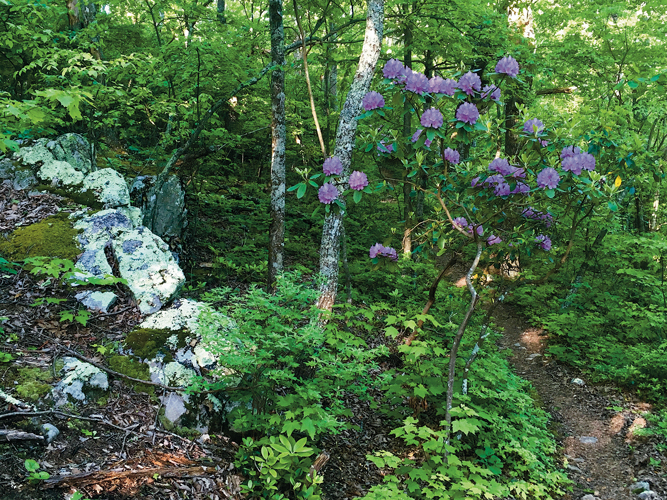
point(164, 212)
point(78, 375)
point(35, 155)
point(97, 301)
point(60, 173)
point(649, 495)
point(145, 261)
point(20, 177)
point(75, 150)
point(50, 432)
point(109, 187)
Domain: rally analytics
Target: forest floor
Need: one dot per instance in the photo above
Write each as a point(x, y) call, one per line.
point(117, 448)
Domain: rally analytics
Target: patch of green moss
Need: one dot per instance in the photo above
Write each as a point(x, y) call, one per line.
point(147, 342)
point(131, 368)
point(51, 237)
point(32, 383)
point(86, 198)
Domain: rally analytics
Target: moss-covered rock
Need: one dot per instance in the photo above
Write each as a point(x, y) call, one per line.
point(132, 368)
point(51, 237)
point(148, 342)
point(74, 193)
point(33, 383)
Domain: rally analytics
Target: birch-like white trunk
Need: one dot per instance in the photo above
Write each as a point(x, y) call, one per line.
point(278, 140)
point(345, 136)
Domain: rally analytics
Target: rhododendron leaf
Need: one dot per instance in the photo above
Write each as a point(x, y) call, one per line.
point(369, 147)
point(312, 183)
point(430, 134)
point(301, 191)
point(632, 84)
point(612, 206)
point(357, 196)
point(550, 193)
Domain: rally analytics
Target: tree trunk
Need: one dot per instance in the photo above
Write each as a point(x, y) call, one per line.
point(407, 132)
point(345, 136)
point(221, 11)
point(278, 140)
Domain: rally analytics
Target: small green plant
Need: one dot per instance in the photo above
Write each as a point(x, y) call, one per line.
point(279, 468)
point(7, 267)
point(92, 434)
point(64, 270)
point(81, 316)
point(35, 477)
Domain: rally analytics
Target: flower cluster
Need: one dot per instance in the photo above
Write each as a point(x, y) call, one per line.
point(530, 213)
point(372, 100)
point(467, 113)
point(491, 91)
point(417, 83)
point(379, 250)
point(534, 126)
point(569, 151)
point(332, 166)
point(415, 138)
point(494, 240)
point(358, 180)
point(577, 162)
point(432, 117)
point(438, 85)
point(470, 82)
point(392, 69)
point(327, 193)
point(452, 156)
point(508, 66)
point(544, 242)
point(548, 178)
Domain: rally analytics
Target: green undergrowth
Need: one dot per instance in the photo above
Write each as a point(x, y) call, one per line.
point(53, 237)
point(607, 314)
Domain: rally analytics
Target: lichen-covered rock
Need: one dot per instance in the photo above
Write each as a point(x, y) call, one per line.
point(20, 177)
point(174, 407)
point(145, 261)
point(78, 375)
point(50, 432)
point(60, 172)
point(36, 154)
point(97, 301)
point(164, 212)
point(75, 150)
point(109, 187)
point(172, 374)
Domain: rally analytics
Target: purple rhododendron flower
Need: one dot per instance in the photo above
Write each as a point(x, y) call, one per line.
point(502, 189)
point(588, 161)
point(533, 126)
point(544, 143)
point(500, 165)
point(417, 83)
point(474, 182)
point(415, 138)
point(494, 240)
point(460, 222)
point(548, 178)
point(467, 113)
point(452, 156)
point(405, 73)
point(449, 87)
point(385, 148)
point(432, 118)
point(569, 151)
point(375, 250)
point(390, 252)
point(521, 188)
point(494, 179)
point(544, 242)
point(333, 166)
point(517, 172)
point(392, 69)
point(508, 66)
point(437, 85)
point(536, 215)
point(358, 180)
point(479, 230)
point(572, 164)
point(491, 91)
point(470, 82)
point(372, 100)
point(327, 193)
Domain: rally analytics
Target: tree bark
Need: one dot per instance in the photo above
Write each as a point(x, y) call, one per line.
point(278, 141)
point(221, 11)
point(407, 129)
point(345, 136)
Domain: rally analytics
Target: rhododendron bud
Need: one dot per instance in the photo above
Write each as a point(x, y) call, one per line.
point(372, 100)
point(500, 165)
point(327, 193)
point(508, 66)
point(467, 113)
point(452, 156)
point(432, 118)
point(470, 82)
point(392, 69)
point(358, 180)
point(548, 178)
point(333, 166)
point(417, 83)
point(533, 126)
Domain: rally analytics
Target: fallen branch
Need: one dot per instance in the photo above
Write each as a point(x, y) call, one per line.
point(12, 435)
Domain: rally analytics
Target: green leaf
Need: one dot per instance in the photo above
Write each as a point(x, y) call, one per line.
point(357, 196)
point(308, 426)
point(632, 84)
point(302, 190)
point(466, 425)
point(612, 206)
point(550, 193)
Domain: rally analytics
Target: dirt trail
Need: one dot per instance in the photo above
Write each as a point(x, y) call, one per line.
point(593, 437)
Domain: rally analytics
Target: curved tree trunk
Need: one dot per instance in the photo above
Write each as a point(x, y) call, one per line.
point(345, 136)
point(278, 140)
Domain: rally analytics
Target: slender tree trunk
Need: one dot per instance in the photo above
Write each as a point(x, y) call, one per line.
point(407, 132)
point(221, 11)
point(278, 140)
point(345, 137)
